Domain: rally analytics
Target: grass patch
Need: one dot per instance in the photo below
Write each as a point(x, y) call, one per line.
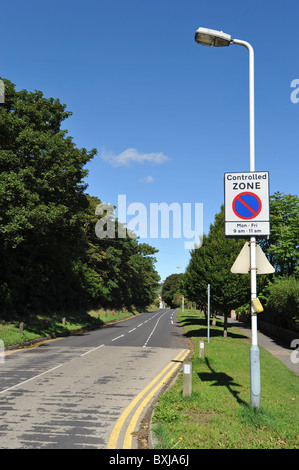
point(218, 415)
point(41, 326)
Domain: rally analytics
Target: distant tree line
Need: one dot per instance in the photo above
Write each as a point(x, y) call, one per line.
point(171, 290)
point(50, 257)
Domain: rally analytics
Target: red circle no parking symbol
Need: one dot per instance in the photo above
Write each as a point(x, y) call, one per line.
point(247, 205)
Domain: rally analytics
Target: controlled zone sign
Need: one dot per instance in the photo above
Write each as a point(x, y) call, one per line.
point(247, 211)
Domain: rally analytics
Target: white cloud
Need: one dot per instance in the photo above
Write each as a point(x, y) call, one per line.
point(132, 155)
point(147, 180)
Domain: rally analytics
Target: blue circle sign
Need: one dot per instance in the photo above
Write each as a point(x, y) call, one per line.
point(247, 205)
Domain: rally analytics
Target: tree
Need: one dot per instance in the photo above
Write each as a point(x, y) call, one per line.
point(144, 279)
point(41, 196)
point(210, 264)
point(171, 287)
point(282, 246)
point(120, 271)
point(50, 256)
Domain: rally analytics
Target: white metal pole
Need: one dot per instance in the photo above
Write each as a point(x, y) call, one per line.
point(251, 102)
point(254, 350)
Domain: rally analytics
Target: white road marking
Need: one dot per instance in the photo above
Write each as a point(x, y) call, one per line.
point(84, 354)
point(32, 378)
point(117, 337)
point(153, 330)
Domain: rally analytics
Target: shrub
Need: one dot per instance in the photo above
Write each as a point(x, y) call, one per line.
point(243, 312)
point(283, 302)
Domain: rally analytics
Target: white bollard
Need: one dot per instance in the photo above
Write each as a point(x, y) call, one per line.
point(187, 378)
point(201, 348)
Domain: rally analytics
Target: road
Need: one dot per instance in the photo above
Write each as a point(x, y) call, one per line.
point(90, 390)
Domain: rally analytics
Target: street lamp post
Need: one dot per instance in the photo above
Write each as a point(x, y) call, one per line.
point(209, 37)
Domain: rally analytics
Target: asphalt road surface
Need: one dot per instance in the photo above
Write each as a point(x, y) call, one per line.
point(89, 390)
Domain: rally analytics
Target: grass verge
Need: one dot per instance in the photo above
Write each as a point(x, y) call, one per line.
point(218, 414)
point(42, 326)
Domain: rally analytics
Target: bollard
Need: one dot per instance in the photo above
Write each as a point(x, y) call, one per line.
point(201, 348)
point(63, 321)
point(187, 378)
point(21, 328)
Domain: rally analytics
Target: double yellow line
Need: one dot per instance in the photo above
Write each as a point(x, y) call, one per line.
point(127, 442)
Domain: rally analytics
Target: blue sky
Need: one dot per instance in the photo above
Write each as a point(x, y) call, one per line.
point(167, 116)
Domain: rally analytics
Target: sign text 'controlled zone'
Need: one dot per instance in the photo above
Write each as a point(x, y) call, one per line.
point(247, 204)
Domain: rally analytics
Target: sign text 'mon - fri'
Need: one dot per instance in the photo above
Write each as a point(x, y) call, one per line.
point(247, 204)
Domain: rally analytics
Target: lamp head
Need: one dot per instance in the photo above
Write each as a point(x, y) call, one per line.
point(210, 37)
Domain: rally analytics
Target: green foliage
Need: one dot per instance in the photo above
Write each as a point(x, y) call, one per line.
point(41, 195)
point(211, 263)
point(243, 310)
point(165, 413)
point(283, 302)
point(170, 290)
point(282, 246)
point(51, 259)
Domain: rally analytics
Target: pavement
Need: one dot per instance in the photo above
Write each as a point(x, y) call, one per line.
point(278, 348)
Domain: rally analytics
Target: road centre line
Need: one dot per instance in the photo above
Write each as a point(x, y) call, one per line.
point(117, 337)
point(140, 324)
point(112, 442)
point(153, 330)
point(91, 350)
point(28, 380)
point(130, 429)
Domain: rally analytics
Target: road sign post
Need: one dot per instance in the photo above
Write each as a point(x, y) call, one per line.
point(247, 215)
